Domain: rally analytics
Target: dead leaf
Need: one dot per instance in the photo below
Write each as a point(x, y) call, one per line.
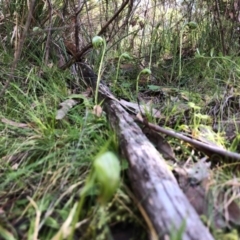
point(50, 65)
point(87, 93)
point(199, 171)
point(197, 197)
point(139, 116)
point(15, 158)
point(15, 166)
point(65, 107)
point(195, 182)
point(97, 110)
point(15, 124)
point(233, 213)
point(71, 47)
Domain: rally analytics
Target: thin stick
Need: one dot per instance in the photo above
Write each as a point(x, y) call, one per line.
point(193, 142)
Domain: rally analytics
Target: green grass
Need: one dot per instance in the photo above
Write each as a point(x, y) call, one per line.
point(44, 164)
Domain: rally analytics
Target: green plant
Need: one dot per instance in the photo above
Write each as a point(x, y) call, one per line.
point(191, 26)
point(145, 71)
point(99, 42)
point(106, 175)
point(196, 116)
point(122, 56)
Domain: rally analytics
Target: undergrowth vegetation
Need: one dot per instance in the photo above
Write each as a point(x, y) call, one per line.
point(181, 57)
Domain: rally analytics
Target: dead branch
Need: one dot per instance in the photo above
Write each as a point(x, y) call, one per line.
point(208, 149)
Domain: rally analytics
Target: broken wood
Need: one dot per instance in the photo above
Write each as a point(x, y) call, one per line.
point(152, 182)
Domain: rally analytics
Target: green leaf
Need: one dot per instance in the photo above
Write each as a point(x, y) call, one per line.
point(5, 234)
point(51, 222)
point(235, 143)
point(154, 87)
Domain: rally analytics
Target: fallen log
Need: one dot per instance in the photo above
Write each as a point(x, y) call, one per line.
point(152, 182)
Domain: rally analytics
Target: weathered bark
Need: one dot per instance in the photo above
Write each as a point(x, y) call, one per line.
point(153, 183)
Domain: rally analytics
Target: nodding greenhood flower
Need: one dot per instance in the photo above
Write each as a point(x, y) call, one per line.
point(192, 25)
point(107, 175)
point(126, 56)
point(97, 42)
point(35, 29)
point(146, 71)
